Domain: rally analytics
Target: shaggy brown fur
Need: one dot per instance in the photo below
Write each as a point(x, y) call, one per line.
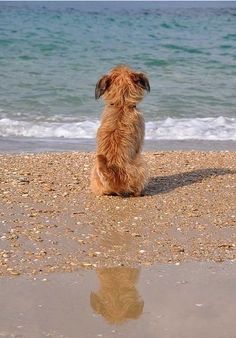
point(119, 168)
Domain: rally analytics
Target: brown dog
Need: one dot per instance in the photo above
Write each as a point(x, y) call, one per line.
point(119, 168)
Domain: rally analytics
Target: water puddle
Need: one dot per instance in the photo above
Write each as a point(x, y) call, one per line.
point(187, 300)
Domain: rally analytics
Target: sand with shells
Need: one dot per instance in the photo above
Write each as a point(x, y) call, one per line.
point(50, 221)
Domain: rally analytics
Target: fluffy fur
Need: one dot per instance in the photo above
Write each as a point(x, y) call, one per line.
point(119, 168)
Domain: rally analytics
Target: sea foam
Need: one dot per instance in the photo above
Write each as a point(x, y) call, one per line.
point(220, 128)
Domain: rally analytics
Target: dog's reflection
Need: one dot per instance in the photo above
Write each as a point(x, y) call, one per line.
point(117, 299)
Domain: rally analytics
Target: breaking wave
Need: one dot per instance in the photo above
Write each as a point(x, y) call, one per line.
point(219, 128)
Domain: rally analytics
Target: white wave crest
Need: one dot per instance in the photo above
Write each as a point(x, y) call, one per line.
point(220, 128)
point(85, 129)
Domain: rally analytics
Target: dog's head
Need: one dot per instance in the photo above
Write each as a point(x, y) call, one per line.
point(122, 86)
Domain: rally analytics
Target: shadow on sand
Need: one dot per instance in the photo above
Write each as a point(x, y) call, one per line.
point(164, 184)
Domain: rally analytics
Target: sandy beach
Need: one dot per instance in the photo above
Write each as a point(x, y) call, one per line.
point(51, 222)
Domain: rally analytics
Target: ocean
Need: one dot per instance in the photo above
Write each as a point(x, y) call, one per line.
point(53, 53)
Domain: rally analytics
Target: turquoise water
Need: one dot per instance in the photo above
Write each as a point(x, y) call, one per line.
point(52, 54)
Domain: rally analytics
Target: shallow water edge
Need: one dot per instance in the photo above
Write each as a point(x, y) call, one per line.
point(195, 299)
point(37, 145)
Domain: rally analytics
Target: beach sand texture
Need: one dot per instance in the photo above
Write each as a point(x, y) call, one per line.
point(50, 221)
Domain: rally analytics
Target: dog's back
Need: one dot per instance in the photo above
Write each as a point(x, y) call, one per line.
point(120, 136)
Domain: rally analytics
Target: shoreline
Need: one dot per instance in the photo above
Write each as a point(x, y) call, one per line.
point(51, 222)
point(14, 145)
point(123, 302)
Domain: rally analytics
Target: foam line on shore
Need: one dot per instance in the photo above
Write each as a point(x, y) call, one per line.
point(209, 128)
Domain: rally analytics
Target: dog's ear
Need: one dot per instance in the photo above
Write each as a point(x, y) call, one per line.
point(142, 81)
point(101, 86)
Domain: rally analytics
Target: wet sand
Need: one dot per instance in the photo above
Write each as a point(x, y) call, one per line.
point(187, 300)
point(51, 222)
point(16, 145)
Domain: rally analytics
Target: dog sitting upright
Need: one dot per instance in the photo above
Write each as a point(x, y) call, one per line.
point(119, 168)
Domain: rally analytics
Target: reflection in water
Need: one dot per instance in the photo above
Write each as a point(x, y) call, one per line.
point(117, 299)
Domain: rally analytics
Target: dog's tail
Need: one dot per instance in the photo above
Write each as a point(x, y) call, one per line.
point(112, 172)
